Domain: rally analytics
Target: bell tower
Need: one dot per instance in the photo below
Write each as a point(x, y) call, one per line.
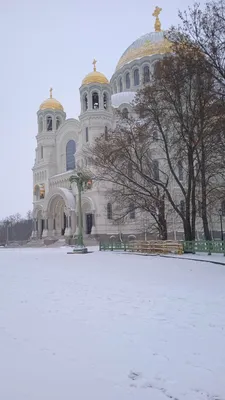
point(50, 116)
point(96, 111)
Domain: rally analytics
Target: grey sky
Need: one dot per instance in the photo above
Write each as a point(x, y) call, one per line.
point(52, 43)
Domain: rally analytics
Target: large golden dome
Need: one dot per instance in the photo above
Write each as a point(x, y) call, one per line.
point(94, 77)
point(51, 103)
point(147, 45)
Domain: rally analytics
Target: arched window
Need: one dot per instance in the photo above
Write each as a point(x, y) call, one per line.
point(146, 74)
point(155, 169)
point(85, 102)
point(40, 125)
point(37, 192)
point(109, 211)
point(70, 155)
point(105, 101)
point(132, 211)
point(125, 113)
point(199, 208)
point(86, 134)
point(58, 122)
point(95, 101)
point(223, 208)
point(115, 87)
point(136, 77)
point(182, 207)
point(155, 135)
point(180, 170)
point(106, 133)
point(49, 123)
point(157, 69)
point(42, 152)
point(121, 85)
point(130, 170)
point(128, 80)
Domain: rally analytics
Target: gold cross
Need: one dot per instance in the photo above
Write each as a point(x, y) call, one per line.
point(94, 63)
point(157, 21)
point(50, 93)
point(157, 12)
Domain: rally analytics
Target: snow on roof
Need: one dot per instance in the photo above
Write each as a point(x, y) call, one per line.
point(120, 98)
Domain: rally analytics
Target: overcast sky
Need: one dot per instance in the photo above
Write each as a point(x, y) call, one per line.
point(52, 43)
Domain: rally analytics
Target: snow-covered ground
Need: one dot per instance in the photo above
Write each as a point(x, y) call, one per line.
point(106, 326)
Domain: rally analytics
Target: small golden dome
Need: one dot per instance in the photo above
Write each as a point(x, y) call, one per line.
point(51, 103)
point(94, 77)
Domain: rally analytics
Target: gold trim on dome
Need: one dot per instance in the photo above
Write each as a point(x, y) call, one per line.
point(51, 103)
point(95, 77)
point(147, 49)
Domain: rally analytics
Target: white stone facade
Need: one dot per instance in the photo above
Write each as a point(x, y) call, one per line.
point(60, 142)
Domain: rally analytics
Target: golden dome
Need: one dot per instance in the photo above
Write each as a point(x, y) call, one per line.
point(94, 77)
point(147, 45)
point(51, 103)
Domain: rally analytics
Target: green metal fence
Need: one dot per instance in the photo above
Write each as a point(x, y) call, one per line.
point(197, 246)
point(204, 246)
point(113, 246)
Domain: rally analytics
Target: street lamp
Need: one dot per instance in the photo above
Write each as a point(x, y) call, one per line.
point(83, 181)
point(221, 222)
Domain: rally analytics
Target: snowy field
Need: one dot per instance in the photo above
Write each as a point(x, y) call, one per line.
point(106, 326)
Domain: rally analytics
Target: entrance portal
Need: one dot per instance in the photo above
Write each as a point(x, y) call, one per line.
point(89, 222)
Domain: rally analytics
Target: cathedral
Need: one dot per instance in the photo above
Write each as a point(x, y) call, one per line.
point(60, 142)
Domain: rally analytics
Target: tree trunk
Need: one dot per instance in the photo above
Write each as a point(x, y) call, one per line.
point(187, 231)
point(162, 223)
point(204, 196)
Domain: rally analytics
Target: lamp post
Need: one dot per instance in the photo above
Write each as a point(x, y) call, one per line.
point(83, 181)
point(221, 222)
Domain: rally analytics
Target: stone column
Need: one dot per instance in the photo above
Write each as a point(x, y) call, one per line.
point(53, 226)
point(69, 231)
point(50, 225)
point(34, 230)
point(45, 231)
point(39, 223)
point(73, 222)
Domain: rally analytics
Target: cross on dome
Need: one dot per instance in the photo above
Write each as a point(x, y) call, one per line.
point(50, 90)
point(94, 64)
point(156, 13)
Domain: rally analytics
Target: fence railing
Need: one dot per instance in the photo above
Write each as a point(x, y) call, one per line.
point(204, 246)
point(166, 247)
point(152, 246)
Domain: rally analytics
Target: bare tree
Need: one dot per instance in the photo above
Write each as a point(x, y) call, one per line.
point(183, 107)
point(15, 228)
point(204, 29)
point(126, 162)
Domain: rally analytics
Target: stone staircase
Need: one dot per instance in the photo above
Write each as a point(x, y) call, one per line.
point(89, 241)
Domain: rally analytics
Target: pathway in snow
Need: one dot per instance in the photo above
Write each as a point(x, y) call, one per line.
point(106, 326)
